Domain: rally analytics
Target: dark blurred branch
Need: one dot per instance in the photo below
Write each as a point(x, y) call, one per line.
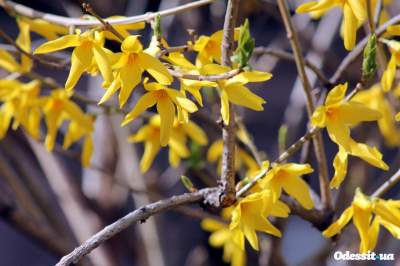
point(290, 57)
point(385, 187)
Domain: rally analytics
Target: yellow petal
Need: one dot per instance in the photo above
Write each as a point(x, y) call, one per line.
point(212, 225)
point(144, 102)
point(250, 76)
point(196, 133)
point(115, 85)
point(298, 189)
point(251, 236)
point(352, 113)
point(361, 220)
point(214, 69)
point(242, 96)
point(339, 133)
point(131, 44)
point(155, 68)
point(102, 63)
point(225, 107)
point(373, 234)
point(215, 151)
point(358, 9)
point(58, 44)
point(337, 226)
point(179, 99)
point(7, 61)
point(130, 75)
point(336, 95)
point(81, 60)
point(151, 148)
point(369, 154)
point(389, 74)
point(319, 117)
point(350, 25)
point(315, 6)
point(340, 165)
point(166, 109)
point(87, 151)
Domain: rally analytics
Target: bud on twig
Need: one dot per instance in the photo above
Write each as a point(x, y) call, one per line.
point(369, 65)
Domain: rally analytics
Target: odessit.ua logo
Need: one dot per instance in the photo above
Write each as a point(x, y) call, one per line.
point(347, 255)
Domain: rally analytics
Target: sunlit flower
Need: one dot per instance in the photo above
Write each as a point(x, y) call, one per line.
point(375, 99)
point(250, 215)
point(88, 50)
point(20, 105)
point(130, 67)
point(150, 134)
point(8, 62)
point(287, 177)
point(222, 236)
point(368, 214)
point(233, 89)
point(338, 115)
point(354, 14)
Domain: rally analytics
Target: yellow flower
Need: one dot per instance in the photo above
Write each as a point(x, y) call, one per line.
point(250, 215)
point(77, 131)
point(233, 89)
point(222, 236)
point(8, 62)
point(20, 104)
point(88, 50)
point(57, 108)
point(397, 117)
point(165, 99)
point(242, 158)
point(354, 14)
point(150, 134)
point(209, 48)
point(288, 177)
point(367, 214)
point(375, 99)
point(338, 116)
point(130, 67)
point(38, 26)
point(390, 72)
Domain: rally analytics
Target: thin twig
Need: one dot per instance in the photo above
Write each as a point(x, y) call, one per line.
point(318, 141)
point(227, 180)
point(76, 22)
point(138, 215)
point(290, 57)
point(385, 187)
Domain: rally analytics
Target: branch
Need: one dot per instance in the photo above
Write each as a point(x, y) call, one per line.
point(385, 187)
point(227, 180)
point(213, 78)
point(138, 215)
point(290, 57)
point(68, 22)
point(318, 142)
point(357, 51)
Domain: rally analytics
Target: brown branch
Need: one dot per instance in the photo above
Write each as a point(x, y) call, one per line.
point(290, 57)
point(318, 141)
point(68, 22)
point(138, 215)
point(213, 78)
point(385, 187)
point(227, 180)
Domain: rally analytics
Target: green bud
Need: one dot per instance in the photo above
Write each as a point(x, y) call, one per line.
point(369, 65)
point(245, 46)
point(157, 26)
point(187, 183)
point(282, 135)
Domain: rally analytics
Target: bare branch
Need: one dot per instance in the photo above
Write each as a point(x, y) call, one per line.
point(138, 215)
point(385, 187)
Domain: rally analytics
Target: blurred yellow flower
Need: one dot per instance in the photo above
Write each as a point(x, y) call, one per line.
point(368, 214)
point(390, 72)
point(88, 50)
point(375, 99)
point(338, 115)
point(150, 134)
point(128, 70)
point(354, 14)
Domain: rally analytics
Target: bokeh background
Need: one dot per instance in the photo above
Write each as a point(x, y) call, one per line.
point(52, 191)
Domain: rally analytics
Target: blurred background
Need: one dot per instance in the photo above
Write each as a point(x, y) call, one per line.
point(48, 198)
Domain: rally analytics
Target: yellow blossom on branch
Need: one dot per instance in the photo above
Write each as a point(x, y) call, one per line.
point(287, 177)
point(354, 14)
point(367, 215)
point(165, 99)
point(390, 72)
point(250, 215)
point(88, 50)
point(338, 116)
point(233, 89)
point(128, 70)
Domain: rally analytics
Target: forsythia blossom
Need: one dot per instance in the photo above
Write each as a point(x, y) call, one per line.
point(338, 115)
point(368, 214)
point(354, 14)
